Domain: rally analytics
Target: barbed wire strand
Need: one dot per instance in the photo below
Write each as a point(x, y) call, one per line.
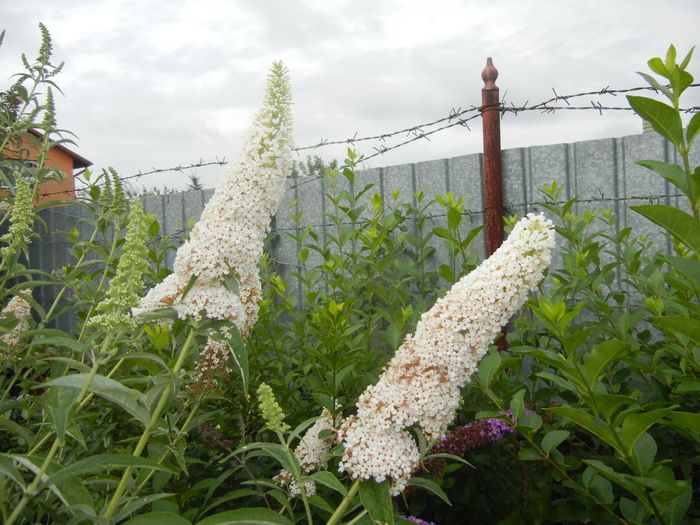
point(456, 117)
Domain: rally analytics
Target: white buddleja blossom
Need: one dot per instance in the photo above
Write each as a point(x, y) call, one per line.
point(316, 442)
point(17, 308)
point(226, 244)
point(421, 384)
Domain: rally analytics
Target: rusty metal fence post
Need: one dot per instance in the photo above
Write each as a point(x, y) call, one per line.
point(493, 182)
point(493, 185)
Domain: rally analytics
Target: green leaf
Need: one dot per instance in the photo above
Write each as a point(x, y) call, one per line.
point(60, 401)
point(585, 420)
point(686, 60)
point(671, 172)
point(609, 403)
point(454, 218)
point(375, 497)
point(329, 480)
point(240, 355)
point(430, 486)
point(158, 518)
point(645, 452)
point(9, 469)
point(8, 425)
point(70, 491)
point(687, 326)
point(246, 516)
point(189, 286)
point(516, 404)
point(677, 222)
point(600, 357)
point(657, 85)
point(488, 366)
point(637, 423)
point(130, 400)
point(657, 66)
point(693, 128)
point(688, 420)
point(563, 383)
point(620, 479)
point(61, 341)
point(553, 439)
point(274, 451)
point(443, 233)
point(102, 462)
point(663, 118)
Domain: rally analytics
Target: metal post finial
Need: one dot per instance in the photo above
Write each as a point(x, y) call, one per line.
point(489, 74)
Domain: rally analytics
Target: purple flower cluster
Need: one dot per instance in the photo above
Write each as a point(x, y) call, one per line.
point(418, 520)
point(473, 435)
point(213, 436)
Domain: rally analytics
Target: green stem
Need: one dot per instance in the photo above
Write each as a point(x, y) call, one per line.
point(32, 489)
point(166, 451)
point(102, 281)
point(145, 436)
point(341, 509)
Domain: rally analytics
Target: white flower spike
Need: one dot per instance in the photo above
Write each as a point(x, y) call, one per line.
point(421, 384)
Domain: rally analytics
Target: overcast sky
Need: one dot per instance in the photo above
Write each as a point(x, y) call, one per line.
point(159, 83)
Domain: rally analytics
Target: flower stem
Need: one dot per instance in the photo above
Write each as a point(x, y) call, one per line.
point(145, 436)
point(341, 509)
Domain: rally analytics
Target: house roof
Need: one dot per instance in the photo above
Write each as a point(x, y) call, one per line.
point(78, 160)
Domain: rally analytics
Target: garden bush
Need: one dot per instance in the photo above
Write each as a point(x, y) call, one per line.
point(221, 392)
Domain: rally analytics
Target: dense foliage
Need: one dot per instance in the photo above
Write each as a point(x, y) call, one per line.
point(590, 415)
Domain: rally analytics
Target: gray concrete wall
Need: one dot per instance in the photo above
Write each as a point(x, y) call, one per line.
point(602, 172)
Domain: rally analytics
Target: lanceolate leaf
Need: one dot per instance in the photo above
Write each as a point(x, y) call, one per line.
point(246, 516)
point(693, 128)
point(375, 497)
point(684, 325)
point(102, 462)
point(589, 423)
point(671, 172)
point(677, 222)
point(240, 355)
point(430, 486)
point(663, 118)
point(600, 357)
point(130, 400)
point(636, 424)
point(158, 518)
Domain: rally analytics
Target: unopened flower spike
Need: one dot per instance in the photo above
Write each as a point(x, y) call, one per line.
point(19, 233)
point(126, 286)
point(421, 384)
point(271, 411)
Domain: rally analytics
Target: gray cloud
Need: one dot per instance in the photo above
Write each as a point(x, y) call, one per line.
point(159, 83)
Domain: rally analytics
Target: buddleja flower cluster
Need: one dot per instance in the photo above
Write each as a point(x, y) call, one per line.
point(473, 435)
point(316, 442)
point(16, 309)
point(127, 284)
point(421, 384)
point(224, 247)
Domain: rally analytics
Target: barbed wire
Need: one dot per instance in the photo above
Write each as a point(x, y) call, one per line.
point(456, 117)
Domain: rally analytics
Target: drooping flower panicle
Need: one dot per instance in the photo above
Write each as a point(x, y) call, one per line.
point(225, 246)
point(421, 384)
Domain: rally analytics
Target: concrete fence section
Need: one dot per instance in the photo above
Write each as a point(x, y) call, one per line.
point(602, 172)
